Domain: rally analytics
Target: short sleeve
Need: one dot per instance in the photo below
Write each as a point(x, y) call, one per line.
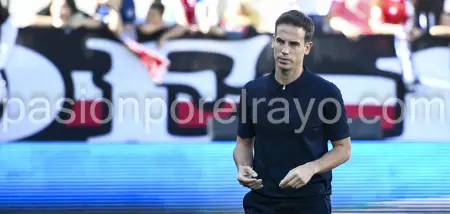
point(244, 112)
point(335, 116)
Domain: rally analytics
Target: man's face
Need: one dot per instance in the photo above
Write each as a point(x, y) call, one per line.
point(290, 47)
point(60, 9)
point(154, 17)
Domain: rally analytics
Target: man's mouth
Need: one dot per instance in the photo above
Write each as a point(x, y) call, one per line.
point(283, 60)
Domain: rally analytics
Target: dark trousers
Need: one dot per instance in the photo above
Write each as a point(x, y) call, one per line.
point(255, 203)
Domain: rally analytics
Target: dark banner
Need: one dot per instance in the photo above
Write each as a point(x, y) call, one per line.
point(98, 90)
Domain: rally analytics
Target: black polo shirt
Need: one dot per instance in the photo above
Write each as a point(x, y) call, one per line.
point(271, 113)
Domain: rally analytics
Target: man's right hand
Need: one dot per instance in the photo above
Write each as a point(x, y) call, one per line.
point(247, 177)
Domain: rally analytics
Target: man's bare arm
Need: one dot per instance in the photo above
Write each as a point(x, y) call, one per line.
point(243, 152)
point(338, 155)
point(443, 29)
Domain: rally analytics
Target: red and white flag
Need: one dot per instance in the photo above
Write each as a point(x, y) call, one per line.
point(156, 64)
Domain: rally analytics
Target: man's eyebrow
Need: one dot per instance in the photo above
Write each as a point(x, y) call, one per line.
point(288, 41)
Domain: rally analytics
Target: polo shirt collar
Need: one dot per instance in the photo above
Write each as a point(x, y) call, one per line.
point(301, 80)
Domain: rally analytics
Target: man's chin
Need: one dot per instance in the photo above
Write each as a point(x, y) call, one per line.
point(284, 67)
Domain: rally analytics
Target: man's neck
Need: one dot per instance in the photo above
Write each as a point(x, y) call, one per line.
point(286, 77)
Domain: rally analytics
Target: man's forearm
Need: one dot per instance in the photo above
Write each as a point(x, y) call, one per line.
point(243, 154)
point(440, 30)
point(332, 159)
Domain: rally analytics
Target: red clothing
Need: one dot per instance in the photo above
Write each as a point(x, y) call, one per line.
point(189, 10)
point(359, 12)
point(394, 11)
point(355, 11)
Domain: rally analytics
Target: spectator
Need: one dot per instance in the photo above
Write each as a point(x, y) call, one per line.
point(207, 14)
point(189, 11)
point(174, 12)
point(363, 17)
point(343, 18)
point(64, 13)
point(8, 35)
point(240, 17)
point(445, 16)
point(128, 14)
point(107, 12)
point(240, 20)
point(437, 16)
point(395, 17)
point(4, 14)
point(154, 22)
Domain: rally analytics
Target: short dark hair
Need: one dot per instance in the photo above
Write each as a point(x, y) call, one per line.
point(157, 5)
point(298, 19)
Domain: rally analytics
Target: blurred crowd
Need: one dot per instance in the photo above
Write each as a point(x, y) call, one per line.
point(127, 18)
point(408, 18)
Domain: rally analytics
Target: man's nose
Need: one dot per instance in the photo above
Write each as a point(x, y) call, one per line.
point(285, 50)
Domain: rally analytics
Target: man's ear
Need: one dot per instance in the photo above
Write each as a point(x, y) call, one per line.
point(308, 47)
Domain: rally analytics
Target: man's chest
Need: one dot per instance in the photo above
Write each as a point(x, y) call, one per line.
point(288, 114)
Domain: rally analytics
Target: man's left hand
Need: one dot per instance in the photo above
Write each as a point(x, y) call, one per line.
point(297, 177)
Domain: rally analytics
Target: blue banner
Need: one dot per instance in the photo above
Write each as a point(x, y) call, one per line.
point(195, 178)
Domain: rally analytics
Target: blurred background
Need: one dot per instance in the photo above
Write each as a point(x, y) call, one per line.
point(126, 106)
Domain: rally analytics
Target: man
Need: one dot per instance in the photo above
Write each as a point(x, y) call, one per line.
point(288, 117)
point(365, 17)
point(154, 20)
point(445, 16)
point(391, 17)
point(434, 16)
point(107, 11)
